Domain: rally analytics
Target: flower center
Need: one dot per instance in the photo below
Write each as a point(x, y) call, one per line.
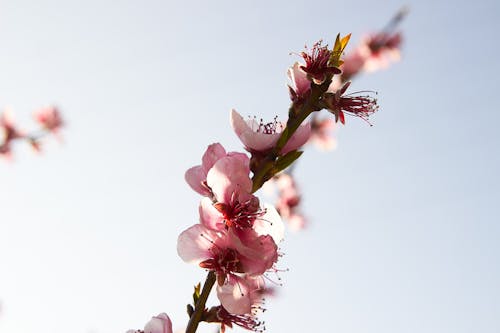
point(240, 214)
point(223, 261)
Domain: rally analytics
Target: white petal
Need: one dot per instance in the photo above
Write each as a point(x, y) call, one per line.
point(270, 224)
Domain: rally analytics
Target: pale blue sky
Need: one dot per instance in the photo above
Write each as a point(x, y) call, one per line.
point(405, 226)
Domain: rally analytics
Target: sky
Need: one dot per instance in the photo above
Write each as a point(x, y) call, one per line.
point(404, 224)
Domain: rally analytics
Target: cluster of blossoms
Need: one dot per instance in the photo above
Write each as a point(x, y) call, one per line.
point(49, 119)
point(374, 52)
point(237, 238)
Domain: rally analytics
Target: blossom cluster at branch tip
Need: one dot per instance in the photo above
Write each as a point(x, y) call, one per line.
point(49, 120)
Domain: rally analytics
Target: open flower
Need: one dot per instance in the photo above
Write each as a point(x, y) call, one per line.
point(232, 204)
point(261, 137)
point(50, 118)
point(227, 253)
point(321, 135)
point(196, 177)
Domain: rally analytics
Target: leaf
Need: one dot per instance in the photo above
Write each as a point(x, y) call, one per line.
point(196, 294)
point(338, 50)
point(286, 160)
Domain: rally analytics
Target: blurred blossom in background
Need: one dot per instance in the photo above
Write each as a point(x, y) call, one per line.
point(402, 231)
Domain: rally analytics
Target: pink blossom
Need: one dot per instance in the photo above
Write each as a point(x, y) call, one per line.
point(376, 51)
point(384, 48)
point(196, 176)
point(321, 133)
point(289, 202)
point(353, 63)
point(301, 86)
point(50, 118)
point(227, 252)
point(10, 133)
point(158, 324)
point(232, 204)
point(260, 137)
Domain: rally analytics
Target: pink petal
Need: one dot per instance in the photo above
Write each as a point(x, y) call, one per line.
point(210, 217)
point(257, 253)
point(298, 139)
point(229, 175)
point(251, 139)
point(194, 177)
point(159, 324)
point(213, 153)
point(235, 296)
point(270, 224)
point(194, 243)
point(299, 78)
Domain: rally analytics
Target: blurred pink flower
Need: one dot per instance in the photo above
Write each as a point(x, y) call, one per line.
point(289, 202)
point(321, 135)
point(375, 52)
point(353, 63)
point(49, 118)
point(260, 137)
point(10, 133)
point(384, 48)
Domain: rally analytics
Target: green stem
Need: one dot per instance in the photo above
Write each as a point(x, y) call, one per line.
point(296, 116)
point(200, 304)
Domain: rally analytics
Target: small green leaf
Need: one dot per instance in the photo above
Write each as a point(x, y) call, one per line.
point(196, 294)
point(338, 49)
point(286, 160)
